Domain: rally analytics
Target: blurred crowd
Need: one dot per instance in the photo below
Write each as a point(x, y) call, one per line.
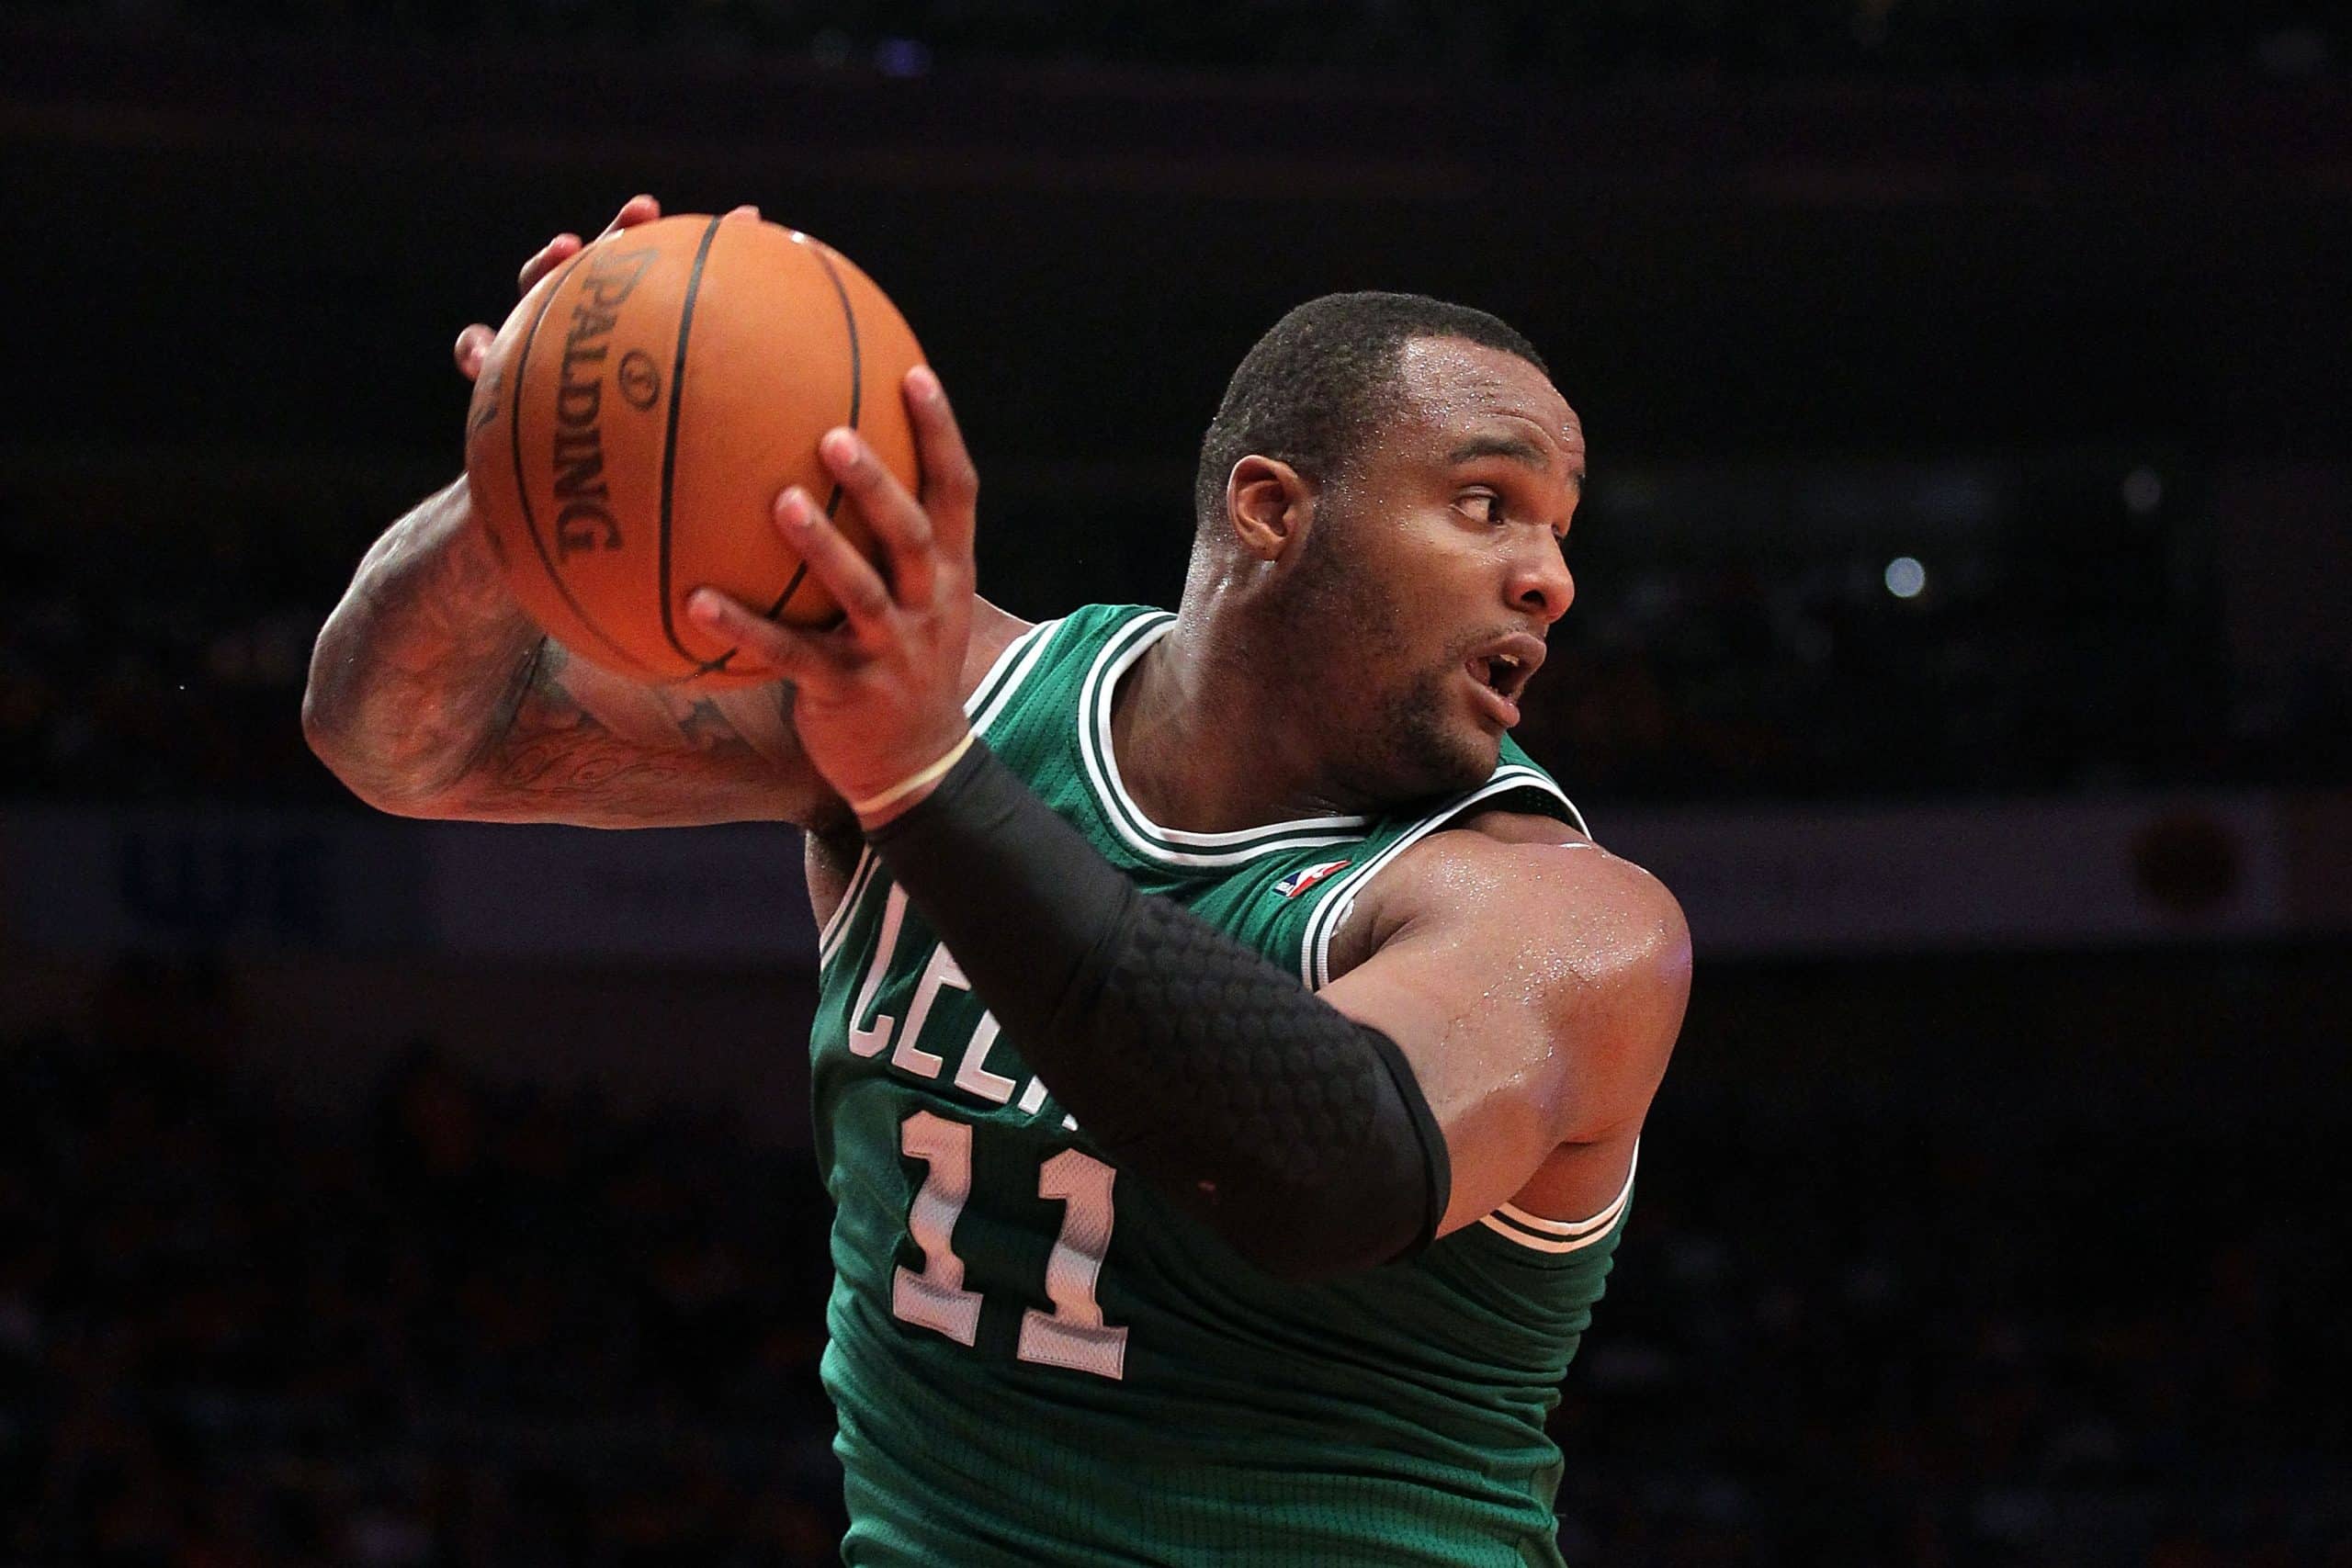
point(484, 1324)
point(1805, 679)
point(1787, 674)
point(1805, 37)
point(487, 1325)
point(1906, 1341)
point(182, 678)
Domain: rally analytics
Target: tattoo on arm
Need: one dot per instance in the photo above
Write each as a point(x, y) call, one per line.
point(432, 694)
point(681, 759)
point(421, 661)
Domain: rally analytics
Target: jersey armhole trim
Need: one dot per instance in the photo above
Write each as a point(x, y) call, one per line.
point(1538, 1234)
point(829, 936)
point(1315, 945)
point(1005, 676)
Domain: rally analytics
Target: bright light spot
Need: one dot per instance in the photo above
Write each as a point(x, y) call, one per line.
point(2144, 491)
point(1905, 577)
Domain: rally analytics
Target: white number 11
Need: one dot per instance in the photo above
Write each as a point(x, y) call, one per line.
point(1073, 1335)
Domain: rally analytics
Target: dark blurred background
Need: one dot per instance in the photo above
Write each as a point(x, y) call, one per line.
point(1960, 633)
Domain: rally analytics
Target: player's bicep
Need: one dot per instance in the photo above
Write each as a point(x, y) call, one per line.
point(1535, 991)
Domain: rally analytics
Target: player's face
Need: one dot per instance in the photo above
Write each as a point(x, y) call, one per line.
point(1438, 557)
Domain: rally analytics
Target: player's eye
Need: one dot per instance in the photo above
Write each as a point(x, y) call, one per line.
point(1483, 506)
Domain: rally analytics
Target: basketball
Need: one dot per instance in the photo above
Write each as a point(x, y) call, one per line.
point(641, 410)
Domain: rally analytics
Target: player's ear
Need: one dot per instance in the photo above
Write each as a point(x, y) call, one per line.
point(1267, 504)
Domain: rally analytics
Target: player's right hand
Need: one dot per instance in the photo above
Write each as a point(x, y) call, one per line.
point(475, 341)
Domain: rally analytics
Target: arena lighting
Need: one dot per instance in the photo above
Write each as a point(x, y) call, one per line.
point(2144, 491)
point(1905, 577)
point(902, 57)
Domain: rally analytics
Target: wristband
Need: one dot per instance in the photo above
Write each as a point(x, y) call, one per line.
point(915, 781)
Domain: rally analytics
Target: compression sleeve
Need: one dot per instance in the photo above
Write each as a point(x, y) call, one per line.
point(1296, 1133)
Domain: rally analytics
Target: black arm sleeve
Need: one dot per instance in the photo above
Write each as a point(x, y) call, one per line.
point(1298, 1133)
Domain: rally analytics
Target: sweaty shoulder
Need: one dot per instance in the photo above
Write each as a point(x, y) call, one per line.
point(1492, 862)
point(1539, 982)
point(1519, 893)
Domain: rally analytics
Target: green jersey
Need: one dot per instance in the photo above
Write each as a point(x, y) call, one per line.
point(1035, 1359)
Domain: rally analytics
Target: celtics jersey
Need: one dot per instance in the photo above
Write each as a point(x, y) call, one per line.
point(1035, 1358)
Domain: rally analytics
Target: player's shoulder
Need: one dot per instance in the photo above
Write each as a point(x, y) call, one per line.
point(1524, 852)
point(1534, 872)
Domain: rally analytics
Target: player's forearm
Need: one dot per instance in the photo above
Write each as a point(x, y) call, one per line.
point(1297, 1133)
point(418, 669)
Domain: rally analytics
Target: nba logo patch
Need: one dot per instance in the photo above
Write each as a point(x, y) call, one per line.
point(1298, 882)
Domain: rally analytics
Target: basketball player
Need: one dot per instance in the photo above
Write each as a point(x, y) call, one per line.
point(1232, 1049)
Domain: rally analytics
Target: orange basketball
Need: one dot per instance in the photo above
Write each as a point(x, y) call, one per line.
point(642, 409)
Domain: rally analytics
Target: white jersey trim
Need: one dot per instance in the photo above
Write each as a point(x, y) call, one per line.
point(1538, 1234)
point(830, 935)
point(1314, 946)
point(1174, 846)
point(1028, 648)
point(996, 689)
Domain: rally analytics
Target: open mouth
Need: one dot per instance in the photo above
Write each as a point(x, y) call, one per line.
point(1499, 673)
point(1506, 666)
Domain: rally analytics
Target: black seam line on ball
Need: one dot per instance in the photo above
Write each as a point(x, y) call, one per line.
point(522, 485)
point(791, 588)
point(856, 398)
point(856, 359)
point(670, 449)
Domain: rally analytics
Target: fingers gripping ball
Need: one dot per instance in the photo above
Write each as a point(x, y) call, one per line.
point(641, 410)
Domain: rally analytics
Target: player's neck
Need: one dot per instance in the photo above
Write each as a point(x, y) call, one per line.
point(1206, 745)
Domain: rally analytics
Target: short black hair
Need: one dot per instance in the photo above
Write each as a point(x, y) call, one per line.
point(1323, 378)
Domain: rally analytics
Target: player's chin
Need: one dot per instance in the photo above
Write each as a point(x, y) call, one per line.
point(1435, 744)
point(1463, 756)
point(1481, 754)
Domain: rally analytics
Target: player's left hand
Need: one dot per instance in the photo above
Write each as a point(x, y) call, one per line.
point(876, 699)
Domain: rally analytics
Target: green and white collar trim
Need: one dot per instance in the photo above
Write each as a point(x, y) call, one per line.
point(1173, 846)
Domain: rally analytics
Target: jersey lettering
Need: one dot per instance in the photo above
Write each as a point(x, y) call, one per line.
point(940, 971)
point(937, 1297)
point(1073, 1335)
point(869, 1040)
point(972, 1075)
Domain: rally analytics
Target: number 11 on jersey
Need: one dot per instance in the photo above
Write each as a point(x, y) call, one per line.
point(1073, 1335)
